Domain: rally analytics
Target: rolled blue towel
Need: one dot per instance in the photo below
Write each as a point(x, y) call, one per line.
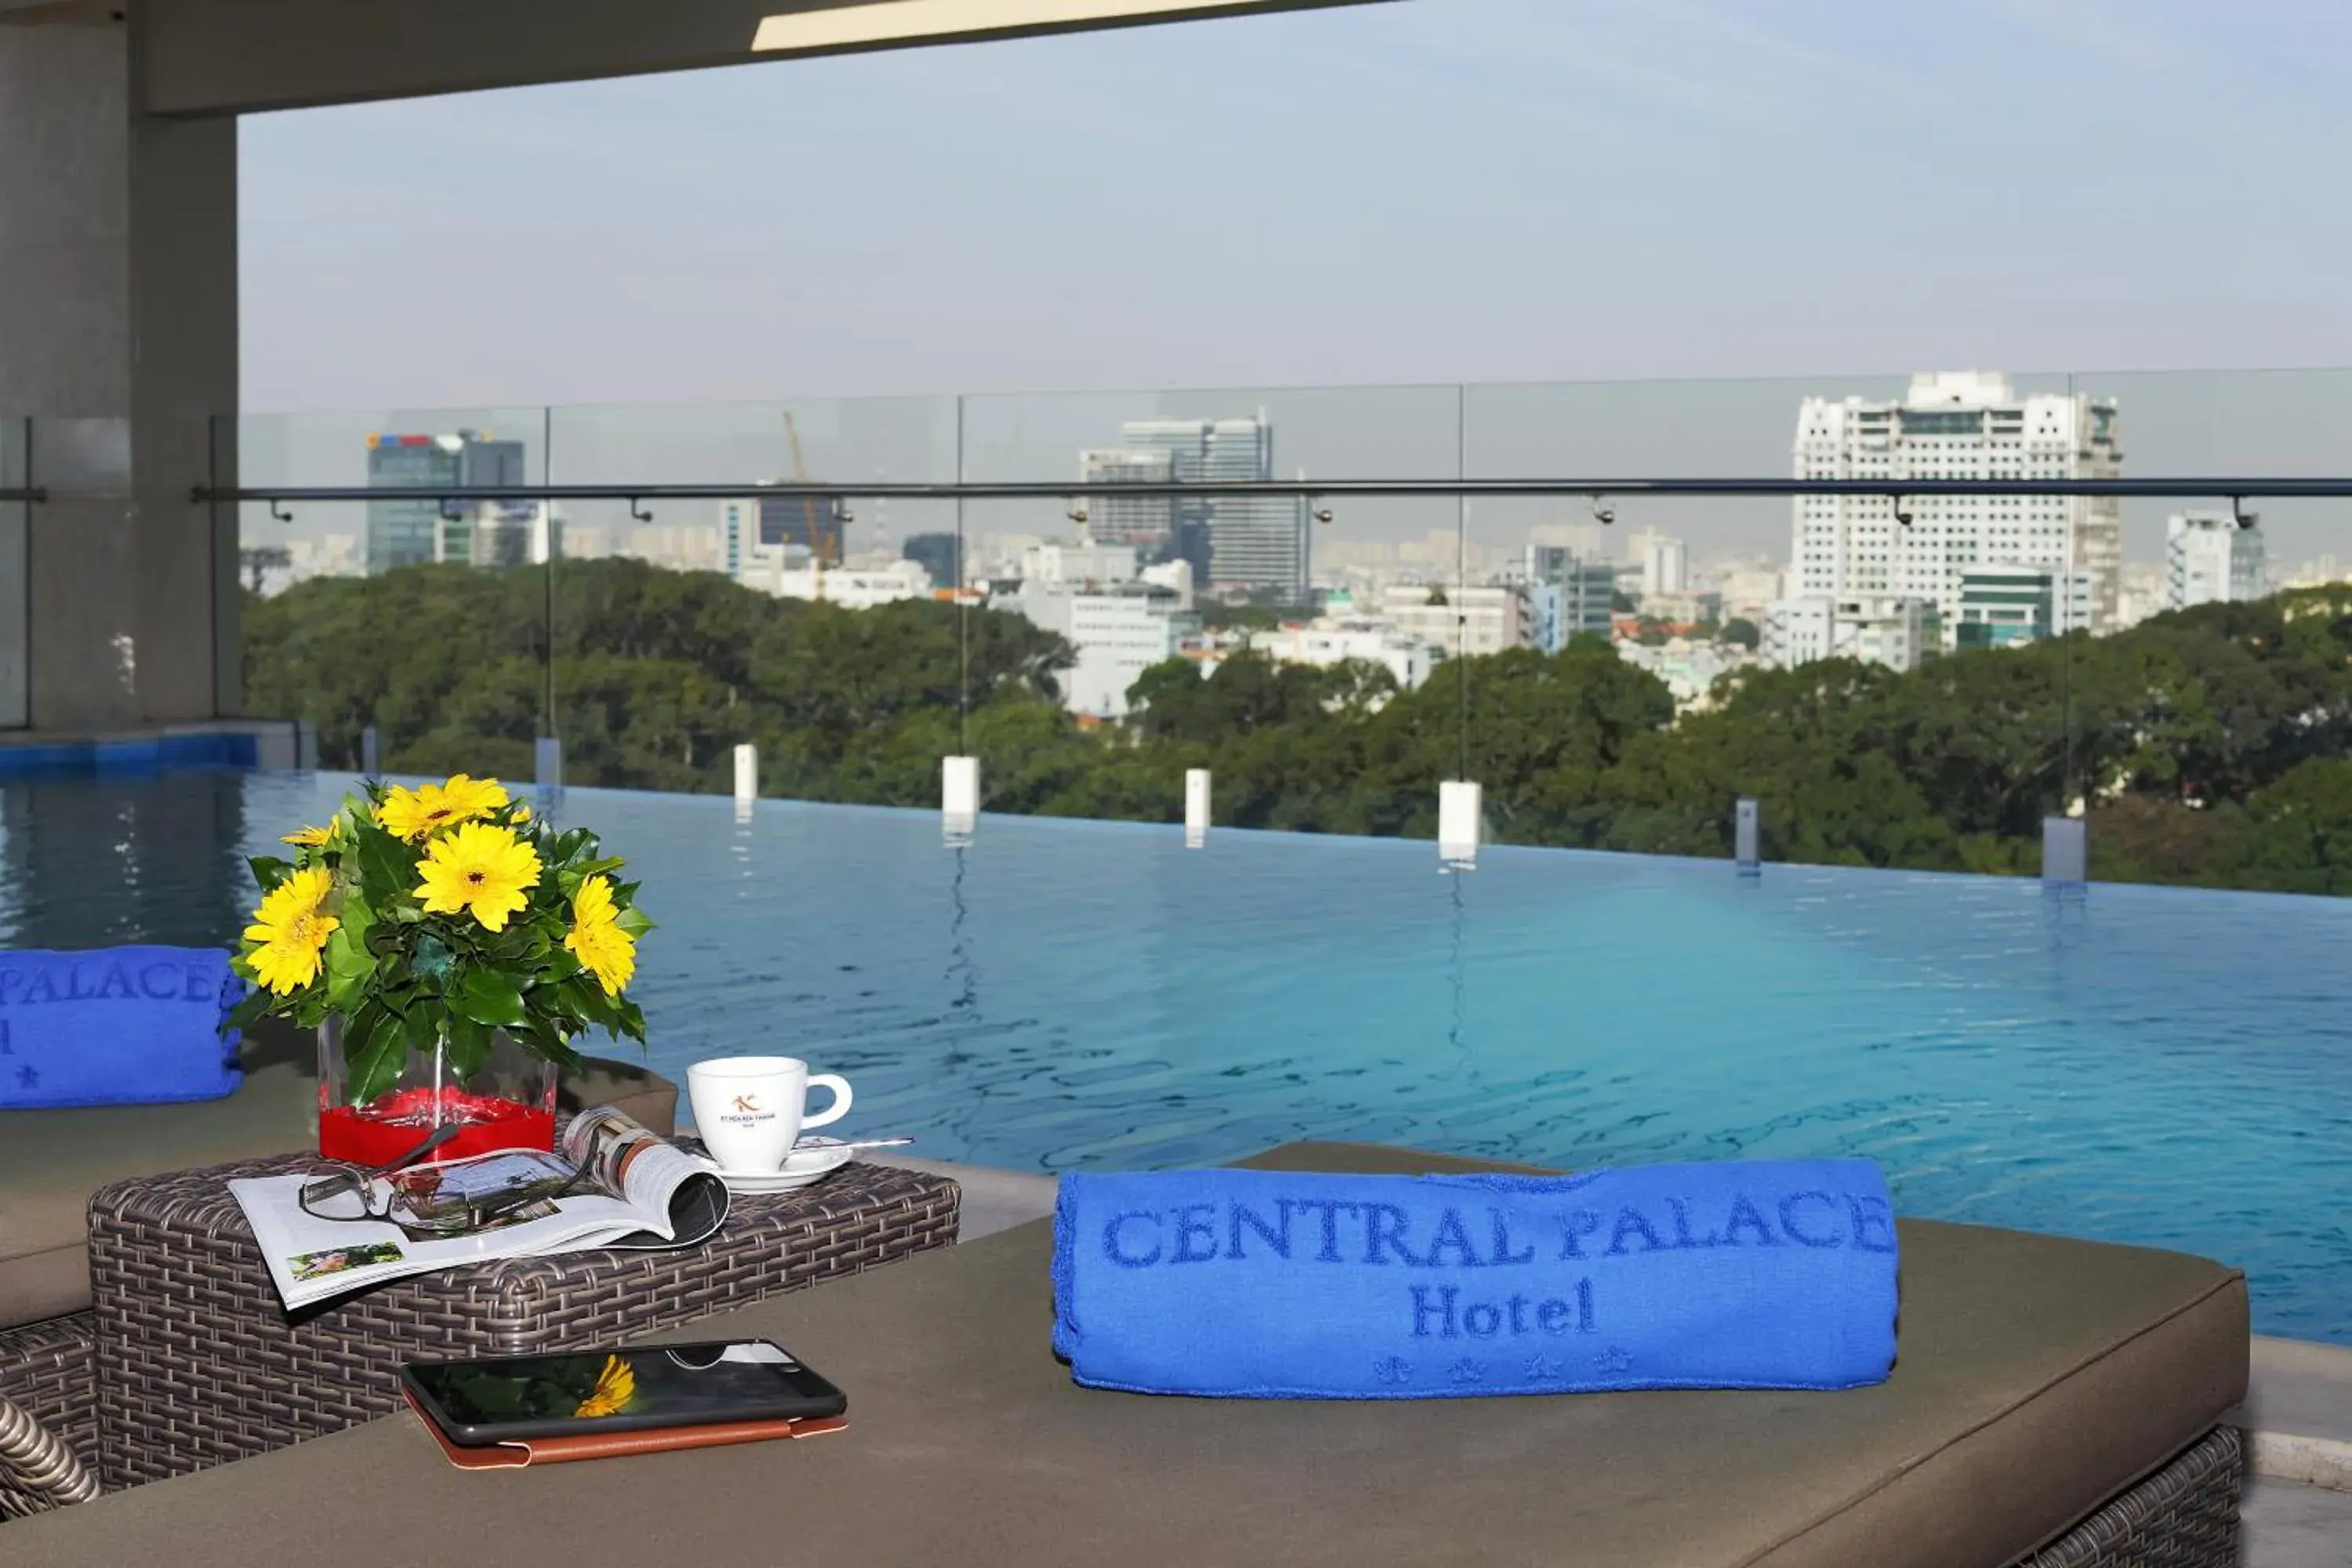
point(116, 1026)
point(1288, 1285)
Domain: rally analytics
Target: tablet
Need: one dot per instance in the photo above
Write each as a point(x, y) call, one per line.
point(644, 1388)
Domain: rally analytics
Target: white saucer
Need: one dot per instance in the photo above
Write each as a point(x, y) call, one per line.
point(807, 1164)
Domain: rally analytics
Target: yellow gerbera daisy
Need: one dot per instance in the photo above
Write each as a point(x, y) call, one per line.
point(308, 838)
point(602, 948)
point(419, 813)
point(292, 927)
point(478, 868)
point(616, 1385)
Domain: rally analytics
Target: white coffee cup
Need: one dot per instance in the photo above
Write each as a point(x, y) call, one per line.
point(751, 1110)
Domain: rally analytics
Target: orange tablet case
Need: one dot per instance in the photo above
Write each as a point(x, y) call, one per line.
point(517, 1453)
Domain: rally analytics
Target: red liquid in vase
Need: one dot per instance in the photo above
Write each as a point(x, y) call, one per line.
point(393, 1125)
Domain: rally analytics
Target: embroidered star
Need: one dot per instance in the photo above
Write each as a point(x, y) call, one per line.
point(26, 1078)
point(1467, 1370)
point(1393, 1369)
point(1543, 1366)
point(1612, 1360)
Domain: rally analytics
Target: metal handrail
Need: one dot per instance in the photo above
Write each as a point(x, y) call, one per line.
point(23, 493)
point(1893, 486)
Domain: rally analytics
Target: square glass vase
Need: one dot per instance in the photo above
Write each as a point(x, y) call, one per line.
point(510, 1104)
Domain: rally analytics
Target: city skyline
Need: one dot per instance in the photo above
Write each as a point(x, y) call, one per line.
point(2285, 423)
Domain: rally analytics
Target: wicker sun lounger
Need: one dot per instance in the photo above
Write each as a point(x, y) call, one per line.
point(2054, 1403)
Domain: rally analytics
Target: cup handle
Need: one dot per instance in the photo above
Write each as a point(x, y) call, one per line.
point(840, 1106)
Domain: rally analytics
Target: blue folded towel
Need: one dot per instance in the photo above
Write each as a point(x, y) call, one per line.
point(1283, 1285)
point(116, 1026)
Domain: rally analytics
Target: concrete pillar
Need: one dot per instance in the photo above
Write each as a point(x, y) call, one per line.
point(117, 340)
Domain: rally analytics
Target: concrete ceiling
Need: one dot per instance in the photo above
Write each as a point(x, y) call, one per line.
point(234, 57)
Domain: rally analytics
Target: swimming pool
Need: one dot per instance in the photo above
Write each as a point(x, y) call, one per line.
point(2140, 1064)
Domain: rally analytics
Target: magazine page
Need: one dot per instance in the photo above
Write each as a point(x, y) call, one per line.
point(655, 1176)
point(614, 1184)
point(311, 1258)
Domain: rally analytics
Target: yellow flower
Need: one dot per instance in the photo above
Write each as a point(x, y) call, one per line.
point(419, 813)
point(478, 868)
point(615, 1387)
point(309, 838)
point(521, 815)
point(602, 948)
point(292, 927)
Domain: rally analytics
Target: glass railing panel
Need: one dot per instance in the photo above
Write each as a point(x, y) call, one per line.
point(2207, 736)
point(402, 617)
point(1249, 636)
point(821, 631)
point(15, 582)
point(1724, 609)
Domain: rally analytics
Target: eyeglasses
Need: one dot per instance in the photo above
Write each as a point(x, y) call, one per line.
point(350, 1194)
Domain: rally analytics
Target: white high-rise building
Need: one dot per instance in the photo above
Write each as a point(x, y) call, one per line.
point(1664, 562)
point(2207, 557)
point(1964, 425)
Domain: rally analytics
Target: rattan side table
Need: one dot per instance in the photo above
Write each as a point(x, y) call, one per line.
point(198, 1362)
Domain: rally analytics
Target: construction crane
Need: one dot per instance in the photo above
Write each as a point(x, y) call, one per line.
point(820, 541)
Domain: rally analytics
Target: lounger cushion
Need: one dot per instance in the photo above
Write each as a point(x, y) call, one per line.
point(51, 1160)
point(2036, 1378)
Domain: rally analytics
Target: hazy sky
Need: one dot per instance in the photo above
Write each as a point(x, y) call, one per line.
point(1428, 191)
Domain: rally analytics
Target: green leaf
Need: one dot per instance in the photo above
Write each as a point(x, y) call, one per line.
point(467, 1045)
point(358, 917)
point(349, 968)
point(570, 847)
point(586, 999)
point(486, 997)
point(269, 871)
point(371, 1067)
point(634, 921)
point(387, 866)
point(424, 1025)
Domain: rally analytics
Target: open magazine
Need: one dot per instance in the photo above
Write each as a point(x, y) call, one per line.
point(610, 1183)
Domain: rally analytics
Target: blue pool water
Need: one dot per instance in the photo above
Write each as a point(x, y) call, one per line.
point(2143, 1065)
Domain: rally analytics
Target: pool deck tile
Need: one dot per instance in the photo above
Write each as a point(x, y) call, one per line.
point(2298, 1413)
point(2291, 1526)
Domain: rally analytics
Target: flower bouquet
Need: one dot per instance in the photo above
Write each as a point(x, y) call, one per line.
point(447, 946)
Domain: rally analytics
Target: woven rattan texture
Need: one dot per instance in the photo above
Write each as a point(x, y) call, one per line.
point(2183, 1515)
point(48, 1370)
point(201, 1363)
